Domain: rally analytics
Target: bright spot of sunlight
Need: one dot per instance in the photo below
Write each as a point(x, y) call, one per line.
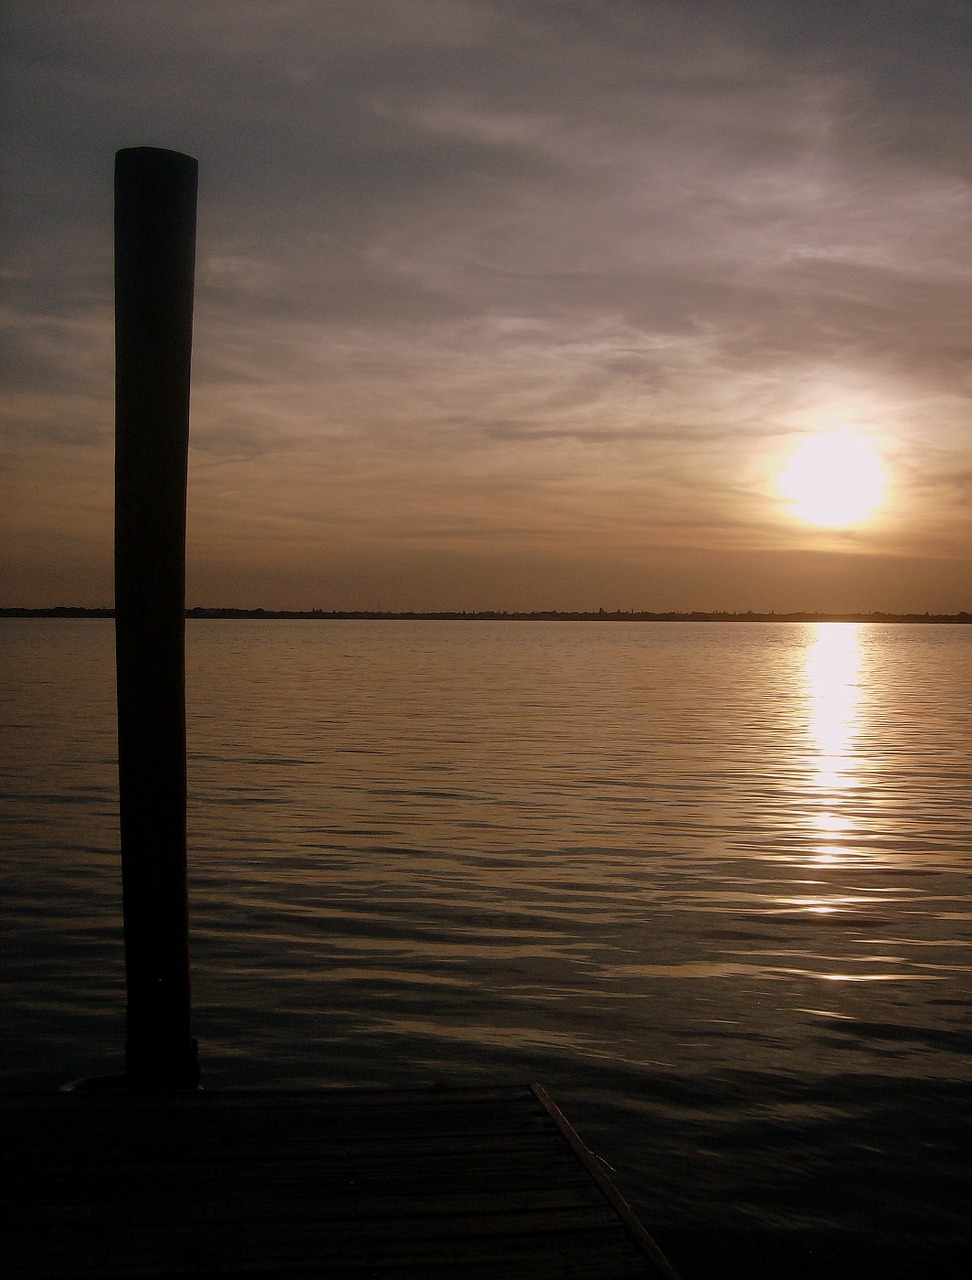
point(833, 480)
point(833, 695)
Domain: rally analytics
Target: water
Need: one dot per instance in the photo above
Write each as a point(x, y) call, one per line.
point(709, 883)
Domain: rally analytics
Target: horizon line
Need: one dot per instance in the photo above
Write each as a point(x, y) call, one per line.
point(511, 615)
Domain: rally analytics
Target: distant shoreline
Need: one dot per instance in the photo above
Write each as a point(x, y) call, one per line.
point(496, 615)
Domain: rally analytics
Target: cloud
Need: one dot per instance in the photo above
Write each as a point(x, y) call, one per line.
point(499, 273)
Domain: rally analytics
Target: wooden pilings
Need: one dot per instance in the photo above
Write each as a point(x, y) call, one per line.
point(155, 232)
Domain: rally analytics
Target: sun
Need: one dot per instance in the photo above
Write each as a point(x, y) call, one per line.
point(833, 480)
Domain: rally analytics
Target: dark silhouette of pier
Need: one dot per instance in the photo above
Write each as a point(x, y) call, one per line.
point(155, 237)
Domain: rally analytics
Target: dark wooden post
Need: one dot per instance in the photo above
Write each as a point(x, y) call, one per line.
point(155, 234)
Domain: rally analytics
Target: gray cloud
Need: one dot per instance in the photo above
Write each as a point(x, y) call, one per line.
point(577, 242)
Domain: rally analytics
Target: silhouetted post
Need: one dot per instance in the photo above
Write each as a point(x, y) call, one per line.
point(155, 235)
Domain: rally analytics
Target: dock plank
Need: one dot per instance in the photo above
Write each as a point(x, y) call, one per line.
point(468, 1182)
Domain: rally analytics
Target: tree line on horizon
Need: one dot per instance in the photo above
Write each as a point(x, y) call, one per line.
point(501, 615)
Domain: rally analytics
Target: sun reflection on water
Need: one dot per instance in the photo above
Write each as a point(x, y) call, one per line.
point(832, 676)
point(832, 684)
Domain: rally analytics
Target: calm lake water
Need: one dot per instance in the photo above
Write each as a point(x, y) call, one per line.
point(708, 883)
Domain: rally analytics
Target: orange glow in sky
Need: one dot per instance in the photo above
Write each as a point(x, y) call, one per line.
point(508, 306)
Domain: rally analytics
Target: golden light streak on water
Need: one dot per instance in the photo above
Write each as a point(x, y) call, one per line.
point(832, 676)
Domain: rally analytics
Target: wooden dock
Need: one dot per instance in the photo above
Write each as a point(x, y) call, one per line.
point(472, 1183)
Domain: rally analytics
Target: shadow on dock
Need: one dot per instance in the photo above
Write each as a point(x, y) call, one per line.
point(488, 1182)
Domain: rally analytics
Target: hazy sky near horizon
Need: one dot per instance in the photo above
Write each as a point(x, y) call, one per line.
point(506, 304)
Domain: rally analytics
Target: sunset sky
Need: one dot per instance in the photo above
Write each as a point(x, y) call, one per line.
point(509, 304)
